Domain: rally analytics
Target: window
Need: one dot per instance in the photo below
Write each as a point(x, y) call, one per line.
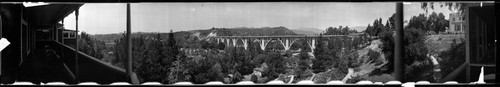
point(463, 27)
point(66, 34)
point(72, 35)
point(69, 34)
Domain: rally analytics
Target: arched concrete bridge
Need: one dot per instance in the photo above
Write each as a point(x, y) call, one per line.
point(286, 40)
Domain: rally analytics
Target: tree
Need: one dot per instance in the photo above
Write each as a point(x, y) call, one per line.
point(244, 65)
point(460, 7)
point(148, 54)
point(441, 23)
point(387, 39)
point(453, 56)
point(418, 22)
point(229, 59)
point(179, 71)
point(390, 22)
point(221, 46)
point(91, 46)
point(215, 73)
point(435, 22)
point(330, 30)
point(322, 61)
point(415, 56)
point(303, 63)
point(341, 30)
point(452, 6)
point(254, 78)
point(120, 52)
point(171, 44)
point(369, 30)
point(376, 28)
point(276, 65)
point(237, 77)
point(345, 30)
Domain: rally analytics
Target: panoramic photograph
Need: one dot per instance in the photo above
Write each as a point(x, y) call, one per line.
point(248, 42)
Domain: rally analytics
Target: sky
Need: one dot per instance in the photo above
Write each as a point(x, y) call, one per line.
point(105, 18)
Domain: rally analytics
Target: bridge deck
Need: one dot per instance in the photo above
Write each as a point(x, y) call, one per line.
point(284, 36)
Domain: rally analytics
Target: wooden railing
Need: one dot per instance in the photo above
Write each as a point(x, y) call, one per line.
point(454, 73)
point(91, 69)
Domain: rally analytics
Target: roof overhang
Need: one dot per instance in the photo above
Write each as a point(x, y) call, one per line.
point(49, 15)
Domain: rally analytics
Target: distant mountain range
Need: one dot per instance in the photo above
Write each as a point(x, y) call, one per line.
point(307, 31)
point(244, 31)
point(314, 31)
point(203, 33)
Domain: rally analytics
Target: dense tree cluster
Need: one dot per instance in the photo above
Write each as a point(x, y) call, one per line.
point(303, 63)
point(322, 60)
point(377, 27)
point(387, 39)
point(434, 22)
point(152, 56)
point(460, 7)
point(339, 30)
point(454, 56)
point(415, 51)
point(91, 46)
point(159, 58)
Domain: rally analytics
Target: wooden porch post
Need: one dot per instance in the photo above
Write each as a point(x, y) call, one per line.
point(398, 51)
point(62, 32)
point(129, 44)
point(1, 51)
point(467, 43)
point(131, 76)
point(77, 75)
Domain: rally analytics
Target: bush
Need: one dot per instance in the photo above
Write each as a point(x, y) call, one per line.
point(357, 79)
point(276, 66)
point(303, 76)
point(254, 78)
point(387, 39)
point(415, 56)
point(453, 57)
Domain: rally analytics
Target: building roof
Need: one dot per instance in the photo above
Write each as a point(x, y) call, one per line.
point(69, 30)
point(48, 15)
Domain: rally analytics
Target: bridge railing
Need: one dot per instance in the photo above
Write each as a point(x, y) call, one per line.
point(90, 69)
point(285, 36)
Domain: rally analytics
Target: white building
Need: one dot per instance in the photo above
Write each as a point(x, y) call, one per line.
point(457, 23)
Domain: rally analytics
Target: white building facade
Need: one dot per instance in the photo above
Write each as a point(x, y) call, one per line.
point(457, 24)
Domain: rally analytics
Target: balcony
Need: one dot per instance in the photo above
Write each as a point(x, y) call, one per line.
point(42, 66)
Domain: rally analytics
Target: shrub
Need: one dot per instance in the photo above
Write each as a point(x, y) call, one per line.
point(453, 57)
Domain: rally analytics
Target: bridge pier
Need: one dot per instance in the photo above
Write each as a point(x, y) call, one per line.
point(217, 39)
point(288, 43)
point(263, 43)
point(188, 51)
point(245, 43)
point(312, 44)
point(234, 41)
point(227, 42)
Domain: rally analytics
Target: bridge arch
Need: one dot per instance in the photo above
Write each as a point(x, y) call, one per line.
point(286, 41)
